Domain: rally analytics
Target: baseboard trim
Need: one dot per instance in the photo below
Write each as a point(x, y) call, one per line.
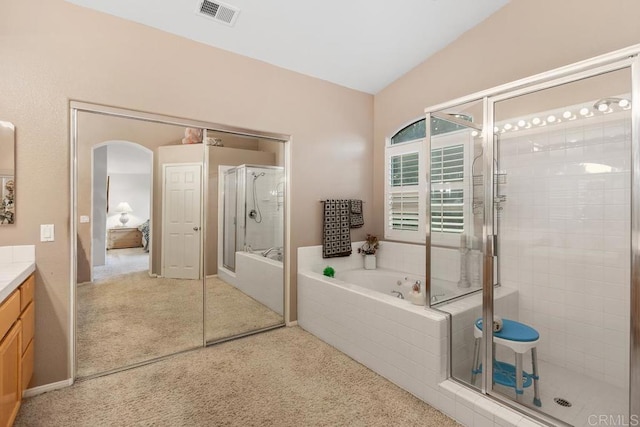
point(293, 323)
point(47, 387)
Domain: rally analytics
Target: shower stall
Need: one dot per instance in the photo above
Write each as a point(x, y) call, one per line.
point(548, 201)
point(253, 214)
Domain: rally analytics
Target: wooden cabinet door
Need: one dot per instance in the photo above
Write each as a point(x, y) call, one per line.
point(10, 375)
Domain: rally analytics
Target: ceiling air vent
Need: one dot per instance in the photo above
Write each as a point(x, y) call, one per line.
point(218, 11)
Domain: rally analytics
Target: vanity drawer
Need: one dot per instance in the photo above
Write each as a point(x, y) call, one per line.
point(9, 312)
point(28, 325)
point(26, 291)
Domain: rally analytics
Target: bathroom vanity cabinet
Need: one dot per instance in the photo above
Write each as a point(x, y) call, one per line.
point(17, 322)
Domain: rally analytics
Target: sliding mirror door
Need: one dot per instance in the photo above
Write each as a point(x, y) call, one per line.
point(244, 235)
point(139, 210)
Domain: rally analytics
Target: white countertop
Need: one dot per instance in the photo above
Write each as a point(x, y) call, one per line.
point(12, 275)
point(16, 264)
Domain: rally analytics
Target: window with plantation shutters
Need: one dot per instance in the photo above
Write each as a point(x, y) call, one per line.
point(405, 189)
point(406, 184)
point(447, 189)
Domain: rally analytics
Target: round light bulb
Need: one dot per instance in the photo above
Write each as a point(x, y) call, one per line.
point(551, 118)
point(474, 133)
point(567, 114)
point(536, 121)
point(624, 103)
point(584, 111)
point(603, 107)
point(521, 123)
point(496, 129)
point(508, 126)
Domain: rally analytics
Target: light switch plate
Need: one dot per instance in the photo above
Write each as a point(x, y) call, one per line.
point(47, 233)
point(84, 218)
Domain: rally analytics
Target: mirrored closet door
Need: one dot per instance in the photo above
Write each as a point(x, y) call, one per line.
point(139, 207)
point(180, 235)
point(244, 234)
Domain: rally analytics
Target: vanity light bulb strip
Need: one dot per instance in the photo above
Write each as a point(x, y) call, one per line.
point(565, 114)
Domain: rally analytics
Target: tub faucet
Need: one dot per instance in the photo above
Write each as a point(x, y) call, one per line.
point(268, 251)
point(398, 294)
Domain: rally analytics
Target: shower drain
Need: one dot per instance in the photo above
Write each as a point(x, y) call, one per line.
point(562, 402)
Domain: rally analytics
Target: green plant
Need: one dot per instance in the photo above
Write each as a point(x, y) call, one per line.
point(370, 246)
point(329, 272)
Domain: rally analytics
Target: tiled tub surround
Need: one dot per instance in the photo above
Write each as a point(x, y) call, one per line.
point(405, 343)
point(565, 241)
point(259, 277)
point(16, 264)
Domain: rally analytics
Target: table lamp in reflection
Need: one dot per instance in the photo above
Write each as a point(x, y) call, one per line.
point(125, 209)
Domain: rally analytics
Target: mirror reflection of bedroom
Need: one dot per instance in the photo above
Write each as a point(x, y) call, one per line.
point(180, 238)
point(122, 183)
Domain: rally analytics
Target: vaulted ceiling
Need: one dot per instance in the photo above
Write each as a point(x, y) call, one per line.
point(360, 44)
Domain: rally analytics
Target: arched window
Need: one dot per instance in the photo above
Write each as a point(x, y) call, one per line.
point(417, 129)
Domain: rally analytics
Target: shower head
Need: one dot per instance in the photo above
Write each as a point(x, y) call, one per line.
point(257, 175)
point(605, 104)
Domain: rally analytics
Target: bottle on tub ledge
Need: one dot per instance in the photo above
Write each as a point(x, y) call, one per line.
point(416, 296)
point(368, 249)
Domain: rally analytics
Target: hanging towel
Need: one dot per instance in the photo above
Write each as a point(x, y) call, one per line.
point(357, 220)
point(336, 237)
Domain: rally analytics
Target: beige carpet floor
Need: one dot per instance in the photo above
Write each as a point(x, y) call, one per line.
point(121, 261)
point(284, 377)
point(132, 318)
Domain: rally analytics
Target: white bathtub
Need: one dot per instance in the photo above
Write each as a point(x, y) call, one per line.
point(385, 281)
point(406, 343)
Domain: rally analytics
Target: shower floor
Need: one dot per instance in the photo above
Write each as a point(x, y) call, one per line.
point(589, 397)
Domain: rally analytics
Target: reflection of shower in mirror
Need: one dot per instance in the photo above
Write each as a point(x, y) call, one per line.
point(255, 213)
point(253, 219)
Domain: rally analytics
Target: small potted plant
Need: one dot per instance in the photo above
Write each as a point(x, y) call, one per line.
point(369, 249)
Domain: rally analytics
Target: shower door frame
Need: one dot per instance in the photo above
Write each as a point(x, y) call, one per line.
point(618, 60)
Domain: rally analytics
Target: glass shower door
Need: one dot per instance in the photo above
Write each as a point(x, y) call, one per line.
point(456, 224)
point(561, 217)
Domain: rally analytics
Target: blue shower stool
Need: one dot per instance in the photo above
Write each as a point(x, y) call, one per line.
point(520, 338)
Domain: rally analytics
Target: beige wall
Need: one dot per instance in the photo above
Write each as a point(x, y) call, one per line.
point(525, 37)
point(53, 51)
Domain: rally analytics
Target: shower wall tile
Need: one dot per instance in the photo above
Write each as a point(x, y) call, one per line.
point(565, 239)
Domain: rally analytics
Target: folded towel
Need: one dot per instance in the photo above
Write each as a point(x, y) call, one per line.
point(336, 237)
point(357, 220)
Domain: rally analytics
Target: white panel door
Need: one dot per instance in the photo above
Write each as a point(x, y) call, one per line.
point(181, 221)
